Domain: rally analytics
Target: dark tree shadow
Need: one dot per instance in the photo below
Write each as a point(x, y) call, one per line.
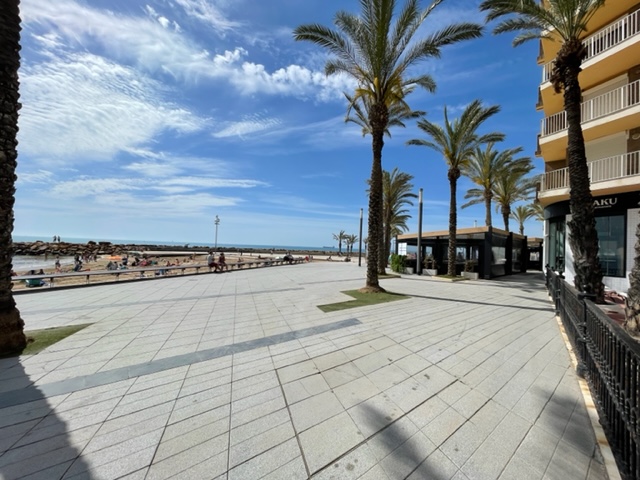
point(33, 439)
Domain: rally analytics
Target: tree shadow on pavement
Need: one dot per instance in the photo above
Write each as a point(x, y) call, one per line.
point(489, 304)
point(33, 439)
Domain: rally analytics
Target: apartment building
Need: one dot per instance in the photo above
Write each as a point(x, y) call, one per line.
point(610, 81)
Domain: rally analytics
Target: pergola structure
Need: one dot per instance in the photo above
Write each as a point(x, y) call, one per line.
point(489, 251)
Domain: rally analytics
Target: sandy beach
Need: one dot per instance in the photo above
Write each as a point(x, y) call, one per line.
point(131, 273)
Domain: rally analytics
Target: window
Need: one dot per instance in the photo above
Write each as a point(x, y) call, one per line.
point(611, 236)
point(556, 244)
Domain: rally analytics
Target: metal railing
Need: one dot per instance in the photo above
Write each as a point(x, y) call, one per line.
point(600, 106)
point(604, 39)
point(605, 169)
point(609, 360)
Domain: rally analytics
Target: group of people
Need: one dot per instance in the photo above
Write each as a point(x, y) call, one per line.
point(218, 266)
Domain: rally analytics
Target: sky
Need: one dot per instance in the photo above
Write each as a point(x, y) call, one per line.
point(144, 119)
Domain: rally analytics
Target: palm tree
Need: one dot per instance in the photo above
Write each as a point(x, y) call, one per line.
point(567, 21)
point(398, 113)
point(521, 214)
point(12, 338)
point(511, 187)
point(339, 237)
point(350, 240)
point(538, 211)
point(632, 306)
point(397, 193)
point(377, 49)
point(483, 167)
point(456, 142)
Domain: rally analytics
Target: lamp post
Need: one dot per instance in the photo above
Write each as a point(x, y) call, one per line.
point(419, 256)
point(216, 222)
point(360, 244)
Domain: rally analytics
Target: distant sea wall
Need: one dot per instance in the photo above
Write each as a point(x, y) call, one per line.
point(107, 248)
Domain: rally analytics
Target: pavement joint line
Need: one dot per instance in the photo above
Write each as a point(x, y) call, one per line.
point(34, 392)
point(156, 302)
point(370, 437)
point(601, 439)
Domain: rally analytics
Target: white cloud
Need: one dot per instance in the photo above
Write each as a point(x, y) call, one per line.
point(156, 49)
point(38, 177)
point(80, 106)
point(208, 13)
point(249, 124)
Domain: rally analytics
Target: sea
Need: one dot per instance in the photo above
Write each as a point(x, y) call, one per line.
point(28, 262)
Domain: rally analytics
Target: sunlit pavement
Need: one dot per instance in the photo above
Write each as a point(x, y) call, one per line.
point(241, 376)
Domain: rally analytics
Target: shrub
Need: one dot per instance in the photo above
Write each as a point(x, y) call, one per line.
point(398, 263)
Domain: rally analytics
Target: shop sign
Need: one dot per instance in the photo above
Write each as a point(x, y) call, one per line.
point(606, 202)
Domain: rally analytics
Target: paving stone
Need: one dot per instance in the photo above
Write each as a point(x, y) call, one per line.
point(374, 414)
point(356, 391)
point(180, 462)
point(297, 371)
point(314, 410)
point(443, 426)
point(267, 462)
point(332, 438)
point(343, 374)
point(260, 442)
point(435, 467)
point(258, 426)
point(304, 388)
point(407, 457)
point(352, 466)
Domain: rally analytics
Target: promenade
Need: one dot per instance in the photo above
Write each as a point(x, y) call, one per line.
point(241, 376)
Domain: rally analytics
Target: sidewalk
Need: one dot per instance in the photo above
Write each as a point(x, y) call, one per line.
point(241, 376)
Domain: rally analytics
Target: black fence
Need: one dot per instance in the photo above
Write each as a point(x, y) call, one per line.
point(609, 360)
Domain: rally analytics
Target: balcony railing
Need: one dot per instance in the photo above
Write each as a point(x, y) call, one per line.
point(600, 106)
point(619, 166)
point(604, 39)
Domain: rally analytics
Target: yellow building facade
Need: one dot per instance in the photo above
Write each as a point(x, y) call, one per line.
point(610, 82)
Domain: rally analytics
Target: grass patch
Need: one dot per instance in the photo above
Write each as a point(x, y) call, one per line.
point(38, 340)
point(362, 300)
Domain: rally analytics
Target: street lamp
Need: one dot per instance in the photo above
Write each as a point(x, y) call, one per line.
point(419, 256)
point(360, 245)
point(217, 222)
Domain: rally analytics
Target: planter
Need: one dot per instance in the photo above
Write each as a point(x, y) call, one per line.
point(471, 275)
point(432, 272)
point(408, 270)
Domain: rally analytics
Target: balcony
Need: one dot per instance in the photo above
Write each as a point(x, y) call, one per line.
point(613, 111)
point(604, 39)
point(617, 173)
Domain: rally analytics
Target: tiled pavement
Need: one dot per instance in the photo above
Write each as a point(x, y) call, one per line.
point(241, 376)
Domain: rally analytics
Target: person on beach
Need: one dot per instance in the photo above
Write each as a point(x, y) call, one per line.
point(222, 262)
point(57, 264)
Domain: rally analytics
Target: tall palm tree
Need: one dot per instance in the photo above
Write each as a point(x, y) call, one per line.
point(565, 20)
point(377, 49)
point(456, 142)
point(12, 338)
point(521, 214)
point(483, 167)
point(398, 113)
point(511, 187)
point(397, 193)
point(339, 237)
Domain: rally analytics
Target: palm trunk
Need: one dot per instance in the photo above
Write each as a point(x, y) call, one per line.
point(506, 212)
point(632, 307)
point(378, 117)
point(453, 175)
point(12, 338)
point(583, 236)
point(522, 229)
point(487, 206)
point(382, 260)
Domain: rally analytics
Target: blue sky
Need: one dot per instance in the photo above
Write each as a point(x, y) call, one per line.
point(145, 119)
